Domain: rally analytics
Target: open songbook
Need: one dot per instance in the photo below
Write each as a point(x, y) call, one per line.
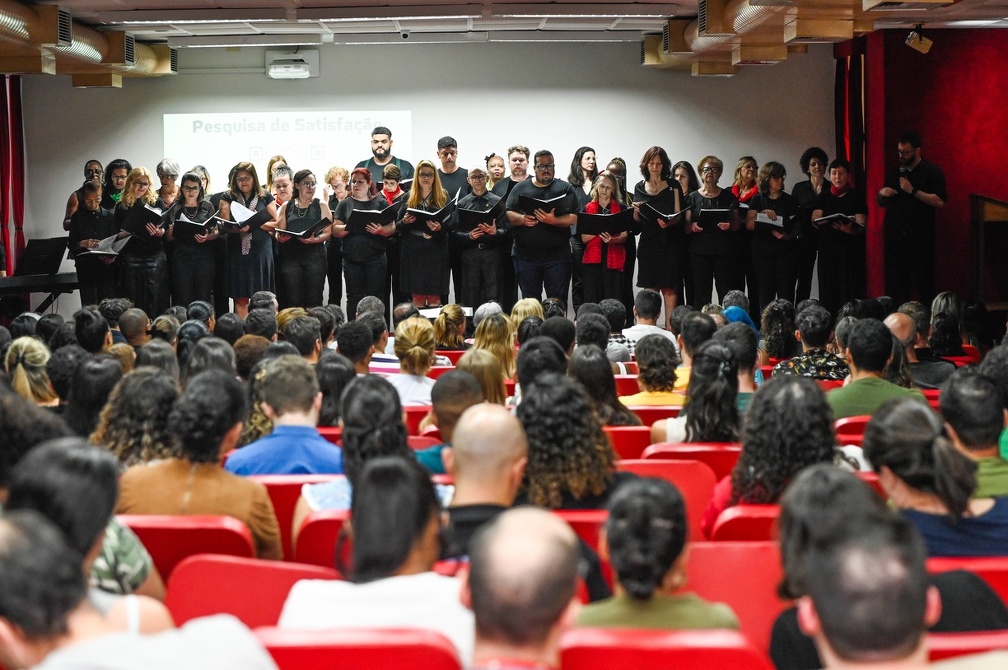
point(310, 231)
point(243, 216)
point(528, 205)
point(137, 219)
point(360, 219)
point(838, 218)
point(764, 219)
point(441, 216)
point(596, 224)
point(109, 246)
point(711, 217)
point(201, 227)
point(653, 214)
point(469, 219)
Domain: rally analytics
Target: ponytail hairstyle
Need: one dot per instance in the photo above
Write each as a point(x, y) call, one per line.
point(646, 533)
point(391, 510)
point(711, 411)
point(908, 437)
point(448, 327)
point(414, 345)
point(372, 424)
point(25, 363)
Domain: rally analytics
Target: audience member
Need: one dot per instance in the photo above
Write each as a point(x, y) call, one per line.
point(926, 374)
point(133, 425)
point(112, 309)
point(60, 369)
point(25, 364)
point(696, 328)
point(496, 334)
point(562, 330)
point(539, 356)
point(355, 342)
point(159, 354)
point(590, 367)
point(165, 328)
point(870, 349)
point(210, 353)
point(647, 308)
point(742, 341)
point(261, 322)
point(91, 330)
point(93, 381)
point(527, 329)
point(305, 333)
point(656, 373)
point(334, 372)
point(487, 370)
point(291, 399)
point(189, 334)
point(777, 325)
point(248, 350)
point(228, 327)
point(812, 330)
point(711, 411)
point(645, 542)
point(453, 393)
point(135, 326)
point(125, 354)
point(414, 348)
point(206, 422)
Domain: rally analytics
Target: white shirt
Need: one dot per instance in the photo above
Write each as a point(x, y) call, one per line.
point(636, 332)
point(427, 601)
point(413, 390)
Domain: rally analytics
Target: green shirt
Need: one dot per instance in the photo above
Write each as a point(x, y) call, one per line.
point(864, 396)
point(662, 612)
point(992, 478)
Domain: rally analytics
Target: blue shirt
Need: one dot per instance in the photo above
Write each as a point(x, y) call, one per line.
point(984, 535)
point(288, 450)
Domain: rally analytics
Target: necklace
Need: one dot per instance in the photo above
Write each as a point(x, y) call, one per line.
point(300, 212)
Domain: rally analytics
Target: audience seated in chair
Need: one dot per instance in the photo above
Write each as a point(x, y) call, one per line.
point(395, 518)
point(657, 375)
point(453, 393)
point(813, 331)
point(974, 419)
point(645, 541)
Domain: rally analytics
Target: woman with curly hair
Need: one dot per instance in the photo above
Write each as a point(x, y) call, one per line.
point(777, 327)
point(656, 377)
point(206, 422)
point(590, 367)
point(372, 427)
point(449, 329)
point(495, 334)
point(134, 422)
point(645, 540)
point(571, 464)
point(788, 427)
point(257, 423)
point(711, 411)
point(25, 364)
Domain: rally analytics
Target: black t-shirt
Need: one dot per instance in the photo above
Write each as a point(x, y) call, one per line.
point(405, 168)
point(543, 242)
point(184, 233)
point(850, 203)
point(360, 247)
point(88, 225)
point(906, 213)
point(479, 203)
point(712, 240)
point(455, 181)
point(786, 207)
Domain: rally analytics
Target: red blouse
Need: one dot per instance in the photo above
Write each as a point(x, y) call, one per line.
point(616, 253)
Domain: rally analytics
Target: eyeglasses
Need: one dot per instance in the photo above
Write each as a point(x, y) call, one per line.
point(92, 171)
point(426, 175)
point(191, 189)
point(165, 175)
point(243, 180)
point(545, 166)
point(358, 182)
point(904, 154)
point(142, 184)
point(338, 185)
point(308, 184)
point(478, 177)
point(708, 169)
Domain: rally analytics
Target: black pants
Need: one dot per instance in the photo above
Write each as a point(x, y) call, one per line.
point(808, 250)
point(303, 269)
point(909, 263)
point(192, 273)
point(577, 281)
point(334, 270)
point(96, 281)
point(706, 269)
point(600, 282)
point(221, 301)
point(776, 267)
point(366, 278)
point(144, 280)
point(479, 278)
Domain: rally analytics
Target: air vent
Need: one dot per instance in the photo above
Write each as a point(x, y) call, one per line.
point(129, 50)
point(64, 29)
point(702, 17)
point(710, 19)
point(665, 38)
point(643, 52)
point(907, 5)
point(173, 59)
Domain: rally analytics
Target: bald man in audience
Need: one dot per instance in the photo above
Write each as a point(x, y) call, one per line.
point(134, 324)
point(487, 459)
point(926, 374)
point(522, 588)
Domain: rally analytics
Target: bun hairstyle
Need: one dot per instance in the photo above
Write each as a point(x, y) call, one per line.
point(646, 531)
point(908, 437)
point(414, 345)
point(25, 362)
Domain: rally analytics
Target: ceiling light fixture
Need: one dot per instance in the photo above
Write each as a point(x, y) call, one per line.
point(916, 40)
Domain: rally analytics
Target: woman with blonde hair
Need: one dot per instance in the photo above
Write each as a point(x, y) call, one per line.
point(487, 370)
point(414, 347)
point(496, 335)
point(525, 308)
point(424, 268)
point(25, 364)
point(143, 264)
point(449, 328)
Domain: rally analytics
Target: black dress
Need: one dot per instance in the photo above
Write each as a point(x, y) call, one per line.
point(250, 255)
point(303, 266)
point(192, 262)
point(143, 267)
point(424, 261)
point(661, 252)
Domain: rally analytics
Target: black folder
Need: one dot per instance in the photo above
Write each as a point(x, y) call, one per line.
point(596, 224)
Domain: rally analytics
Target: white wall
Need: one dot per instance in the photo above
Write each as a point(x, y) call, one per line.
point(556, 96)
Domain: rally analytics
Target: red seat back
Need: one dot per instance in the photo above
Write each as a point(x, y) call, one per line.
point(991, 569)
point(414, 415)
point(316, 542)
point(353, 649)
point(718, 456)
point(626, 384)
point(332, 433)
point(747, 523)
point(767, 371)
point(628, 441)
point(452, 355)
point(950, 645)
point(872, 480)
point(648, 414)
point(439, 370)
point(628, 649)
point(829, 384)
point(424, 441)
point(170, 539)
point(632, 367)
point(850, 430)
point(284, 491)
point(932, 396)
point(693, 479)
point(714, 571)
point(972, 353)
point(251, 589)
point(587, 523)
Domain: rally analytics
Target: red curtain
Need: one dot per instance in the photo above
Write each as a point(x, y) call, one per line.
point(849, 103)
point(12, 176)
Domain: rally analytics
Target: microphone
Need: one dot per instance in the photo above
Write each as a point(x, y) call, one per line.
point(903, 170)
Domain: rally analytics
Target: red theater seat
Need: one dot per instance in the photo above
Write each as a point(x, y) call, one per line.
point(850, 430)
point(170, 539)
point(693, 479)
point(626, 384)
point(747, 523)
point(284, 491)
point(718, 456)
point(628, 441)
point(629, 649)
point(353, 649)
point(414, 415)
point(950, 645)
point(316, 542)
point(991, 569)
